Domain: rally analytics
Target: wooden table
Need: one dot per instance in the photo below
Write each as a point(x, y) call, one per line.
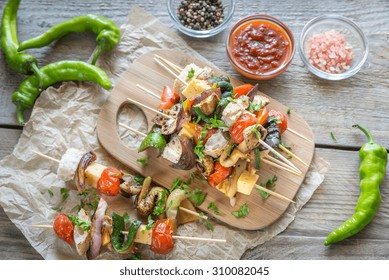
point(327, 107)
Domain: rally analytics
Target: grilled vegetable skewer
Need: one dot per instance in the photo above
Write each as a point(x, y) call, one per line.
point(111, 184)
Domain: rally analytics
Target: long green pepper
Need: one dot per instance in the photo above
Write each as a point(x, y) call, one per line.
point(374, 159)
point(30, 88)
point(117, 237)
point(18, 61)
point(108, 34)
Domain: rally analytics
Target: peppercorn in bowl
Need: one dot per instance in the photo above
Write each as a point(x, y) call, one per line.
point(333, 47)
point(201, 19)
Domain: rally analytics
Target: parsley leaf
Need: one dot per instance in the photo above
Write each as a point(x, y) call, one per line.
point(215, 209)
point(50, 192)
point(243, 211)
point(269, 184)
point(64, 194)
point(289, 111)
point(84, 225)
point(191, 73)
point(198, 197)
point(333, 137)
point(139, 180)
point(254, 107)
point(273, 119)
point(143, 161)
point(215, 123)
point(198, 150)
point(208, 224)
point(58, 209)
point(159, 207)
point(150, 223)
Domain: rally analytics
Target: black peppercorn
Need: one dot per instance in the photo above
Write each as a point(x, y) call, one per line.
point(201, 15)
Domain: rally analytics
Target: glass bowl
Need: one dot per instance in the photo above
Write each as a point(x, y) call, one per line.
point(355, 39)
point(242, 53)
point(229, 7)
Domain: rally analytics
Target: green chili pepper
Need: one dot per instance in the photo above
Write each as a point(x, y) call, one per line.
point(117, 237)
point(18, 61)
point(226, 88)
point(29, 89)
point(153, 139)
point(108, 34)
point(372, 170)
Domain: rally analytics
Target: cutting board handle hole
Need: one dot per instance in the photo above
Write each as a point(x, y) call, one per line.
point(134, 117)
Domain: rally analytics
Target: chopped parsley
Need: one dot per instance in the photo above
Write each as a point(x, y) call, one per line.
point(198, 197)
point(198, 150)
point(273, 119)
point(269, 184)
point(50, 192)
point(139, 180)
point(254, 107)
point(208, 224)
point(243, 211)
point(191, 73)
point(84, 225)
point(159, 207)
point(64, 194)
point(179, 184)
point(143, 161)
point(58, 209)
point(215, 123)
point(214, 208)
point(150, 223)
point(289, 111)
point(333, 137)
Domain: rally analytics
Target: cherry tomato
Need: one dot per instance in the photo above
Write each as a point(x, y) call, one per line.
point(210, 132)
point(219, 175)
point(168, 98)
point(283, 122)
point(244, 121)
point(262, 116)
point(109, 182)
point(242, 90)
point(64, 228)
point(161, 238)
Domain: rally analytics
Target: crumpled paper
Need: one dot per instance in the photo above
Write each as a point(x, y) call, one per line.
point(66, 117)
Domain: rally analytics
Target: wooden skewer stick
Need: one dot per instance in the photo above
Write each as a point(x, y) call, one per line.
point(299, 135)
point(292, 155)
point(198, 238)
point(148, 91)
point(175, 67)
point(267, 161)
point(194, 213)
point(279, 155)
point(133, 130)
point(170, 71)
point(174, 236)
point(149, 108)
point(273, 193)
point(46, 156)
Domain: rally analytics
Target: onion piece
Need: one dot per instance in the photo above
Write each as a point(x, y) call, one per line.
point(79, 176)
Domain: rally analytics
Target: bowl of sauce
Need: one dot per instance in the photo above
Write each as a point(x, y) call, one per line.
point(260, 47)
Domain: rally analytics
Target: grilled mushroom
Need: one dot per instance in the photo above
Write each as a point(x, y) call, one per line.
point(145, 205)
point(206, 166)
point(170, 125)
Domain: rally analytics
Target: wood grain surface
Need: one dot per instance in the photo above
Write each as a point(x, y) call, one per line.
point(327, 107)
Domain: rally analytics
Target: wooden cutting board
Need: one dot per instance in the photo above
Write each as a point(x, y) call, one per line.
point(146, 72)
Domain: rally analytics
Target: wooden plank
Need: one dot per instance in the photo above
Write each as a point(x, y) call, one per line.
point(332, 203)
point(327, 106)
point(146, 72)
point(13, 244)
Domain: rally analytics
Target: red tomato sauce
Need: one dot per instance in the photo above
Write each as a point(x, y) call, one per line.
point(260, 46)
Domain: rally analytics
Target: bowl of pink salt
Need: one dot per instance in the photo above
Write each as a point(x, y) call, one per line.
point(333, 47)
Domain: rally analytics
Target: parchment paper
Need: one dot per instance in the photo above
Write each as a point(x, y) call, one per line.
point(66, 117)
